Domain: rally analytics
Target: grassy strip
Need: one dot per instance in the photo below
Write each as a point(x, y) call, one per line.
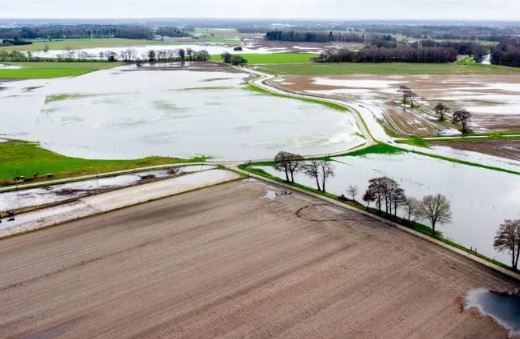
point(376, 149)
point(273, 58)
point(312, 101)
point(22, 158)
point(386, 69)
point(414, 141)
point(418, 227)
point(388, 149)
point(46, 70)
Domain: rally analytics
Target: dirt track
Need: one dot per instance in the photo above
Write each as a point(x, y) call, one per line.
point(225, 261)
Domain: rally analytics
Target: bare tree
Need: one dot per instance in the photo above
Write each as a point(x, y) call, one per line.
point(408, 94)
point(320, 170)
point(182, 54)
point(412, 207)
point(353, 191)
point(508, 239)
point(289, 163)
point(436, 209)
point(441, 109)
point(462, 117)
point(368, 198)
point(386, 191)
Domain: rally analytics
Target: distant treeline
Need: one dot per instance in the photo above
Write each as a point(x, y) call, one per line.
point(447, 32)
point(301, 36)
point(14, 42)
point(474, 49)
point(507, 53)
point(380, 55)
point(88, 31)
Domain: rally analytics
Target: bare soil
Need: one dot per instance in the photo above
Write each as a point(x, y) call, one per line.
point(509, 149)
point(226, 261)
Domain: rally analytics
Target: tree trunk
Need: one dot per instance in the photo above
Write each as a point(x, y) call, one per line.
point(318, 183)
point(433, 228)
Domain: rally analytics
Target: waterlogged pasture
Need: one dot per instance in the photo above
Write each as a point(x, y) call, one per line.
point(480, 199)
point(125, 113)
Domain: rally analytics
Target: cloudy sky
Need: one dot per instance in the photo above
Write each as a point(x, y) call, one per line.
point(301, 9)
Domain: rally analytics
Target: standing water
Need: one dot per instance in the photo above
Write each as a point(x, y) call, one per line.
point(503, 307)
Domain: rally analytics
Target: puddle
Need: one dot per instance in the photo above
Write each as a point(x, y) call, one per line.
point(503, 307)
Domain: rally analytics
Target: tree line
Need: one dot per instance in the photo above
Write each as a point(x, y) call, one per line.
point(379, 55)
point(127, 55)
point(305, 36)
point(507, 53)
point(22, 35)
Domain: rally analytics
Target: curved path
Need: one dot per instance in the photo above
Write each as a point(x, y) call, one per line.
point(374, 132)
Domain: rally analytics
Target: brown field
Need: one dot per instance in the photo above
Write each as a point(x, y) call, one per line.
point(226, 261)
point(500, 106)
point(509, 149)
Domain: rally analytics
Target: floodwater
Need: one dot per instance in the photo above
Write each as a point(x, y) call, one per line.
point(54, 194)
point(127, 113)
point(142, 51)
point(501, 306)
point(480, 199)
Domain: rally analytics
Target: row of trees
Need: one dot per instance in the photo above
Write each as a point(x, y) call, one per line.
point(290, 164)
point(476, 50)
point(389, 197)
point(384, 192)
point(302, 36)
point(409, 54)
point(172, 55)
point(77, 32)
point(127, 55)
point(460, 117)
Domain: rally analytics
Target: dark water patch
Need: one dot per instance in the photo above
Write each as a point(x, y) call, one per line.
point(503, 307)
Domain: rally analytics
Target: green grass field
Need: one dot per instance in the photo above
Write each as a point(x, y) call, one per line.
point(386, 69)
point(22, 158)
point(275, 58)
point(39, 45)
point(46, 70)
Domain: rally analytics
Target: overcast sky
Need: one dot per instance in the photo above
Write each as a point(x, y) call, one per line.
point(297, 9)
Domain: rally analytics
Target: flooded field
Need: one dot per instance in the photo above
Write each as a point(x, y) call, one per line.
point(142, 51)
point(19, 199)
point(480, 199)
point(128, 113)
point(493, 100)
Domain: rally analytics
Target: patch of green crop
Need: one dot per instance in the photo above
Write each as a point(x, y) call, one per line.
point(22, 158)
point(47, 70)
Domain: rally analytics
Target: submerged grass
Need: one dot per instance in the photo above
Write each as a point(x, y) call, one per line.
point(47, 70)
point(22, 158)
point(274, 58)
point(386, 69)
point(313, 101)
